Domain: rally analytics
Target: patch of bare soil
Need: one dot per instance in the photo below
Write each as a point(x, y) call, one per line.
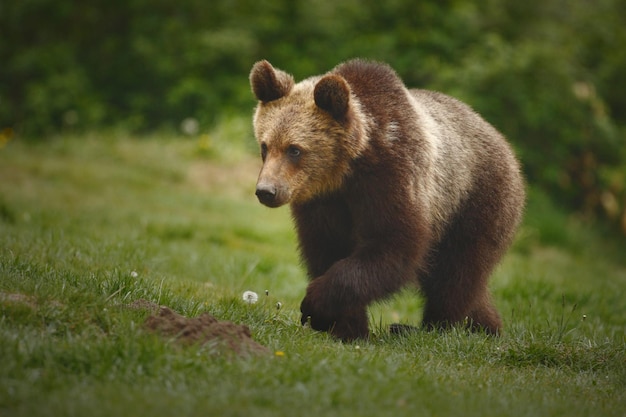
point(17, 298)
point(223, 336)
point(25, 300)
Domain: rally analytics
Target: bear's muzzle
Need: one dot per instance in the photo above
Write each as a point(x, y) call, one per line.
point(268, 195)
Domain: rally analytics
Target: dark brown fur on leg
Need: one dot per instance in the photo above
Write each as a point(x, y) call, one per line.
point(352, 325)
point(347, 325)
point(485, 317)
point(478, 318)
point(456, 285)
point(352, 260)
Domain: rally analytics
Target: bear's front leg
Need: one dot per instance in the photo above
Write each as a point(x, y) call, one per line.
point(346, 322)
point(352, 325)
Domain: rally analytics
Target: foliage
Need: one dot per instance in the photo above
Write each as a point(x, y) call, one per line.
point(166, 220)
point(548, 73)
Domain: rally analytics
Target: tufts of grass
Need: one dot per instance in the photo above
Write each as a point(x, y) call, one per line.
point(91, 225)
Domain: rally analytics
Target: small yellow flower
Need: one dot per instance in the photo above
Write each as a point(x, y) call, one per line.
point(205, 143)
point(5, 136)
point(279, 353)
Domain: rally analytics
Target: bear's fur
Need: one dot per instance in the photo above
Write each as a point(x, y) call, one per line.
point(387, 187)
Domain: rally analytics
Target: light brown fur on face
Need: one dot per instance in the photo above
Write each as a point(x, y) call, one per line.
point(294, 122)
point(298, 127)
point(388, 187)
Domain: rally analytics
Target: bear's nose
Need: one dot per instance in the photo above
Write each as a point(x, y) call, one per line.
point(266, 193)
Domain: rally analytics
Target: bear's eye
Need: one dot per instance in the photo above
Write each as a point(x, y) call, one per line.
point(263, 151)
point(294, 152)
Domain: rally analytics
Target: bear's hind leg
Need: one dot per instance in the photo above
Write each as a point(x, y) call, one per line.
point(456, 284)
point(447, 306)
point(484, 316)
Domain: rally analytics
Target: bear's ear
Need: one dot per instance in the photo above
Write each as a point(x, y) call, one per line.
point(269, 84)
point(332, 94)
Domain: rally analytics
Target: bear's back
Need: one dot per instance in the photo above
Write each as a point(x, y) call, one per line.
point(376, 85)
point(469, 155)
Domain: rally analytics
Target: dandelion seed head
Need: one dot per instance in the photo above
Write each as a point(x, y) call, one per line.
point(250, 297)
point(190, 126)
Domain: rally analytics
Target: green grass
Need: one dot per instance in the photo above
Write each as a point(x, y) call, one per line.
point(89, 224)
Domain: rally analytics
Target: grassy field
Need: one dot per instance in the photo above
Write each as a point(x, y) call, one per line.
point(89, 224)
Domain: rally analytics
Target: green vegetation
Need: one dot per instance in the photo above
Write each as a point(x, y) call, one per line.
point(548, 74)
point(91, 223)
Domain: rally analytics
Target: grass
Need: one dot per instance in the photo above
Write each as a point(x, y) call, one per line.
point(89, 224)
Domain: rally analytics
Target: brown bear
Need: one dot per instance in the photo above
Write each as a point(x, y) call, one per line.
point(388, 187)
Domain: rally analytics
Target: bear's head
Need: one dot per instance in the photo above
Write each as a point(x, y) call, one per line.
point(309, 134)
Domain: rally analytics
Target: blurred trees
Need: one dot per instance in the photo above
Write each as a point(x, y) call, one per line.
point(548, 73)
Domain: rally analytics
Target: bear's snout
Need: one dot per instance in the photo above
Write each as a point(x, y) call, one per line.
point(267, 195)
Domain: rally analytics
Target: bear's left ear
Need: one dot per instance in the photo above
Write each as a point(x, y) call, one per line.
point(332, 94)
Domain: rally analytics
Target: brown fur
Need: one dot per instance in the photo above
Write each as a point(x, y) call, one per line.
point(387, 187)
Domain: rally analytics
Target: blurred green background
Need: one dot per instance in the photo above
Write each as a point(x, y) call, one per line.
point(550, 74)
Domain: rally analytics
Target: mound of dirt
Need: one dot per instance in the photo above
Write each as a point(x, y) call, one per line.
point(223, 337)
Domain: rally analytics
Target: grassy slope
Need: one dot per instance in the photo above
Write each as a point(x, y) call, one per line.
point(78, 215)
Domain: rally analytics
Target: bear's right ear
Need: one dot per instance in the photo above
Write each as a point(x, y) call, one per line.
point(269, 84)
point(332, 94)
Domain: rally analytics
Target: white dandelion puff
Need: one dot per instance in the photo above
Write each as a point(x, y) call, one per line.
point(250, 297)
point(190, 126)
